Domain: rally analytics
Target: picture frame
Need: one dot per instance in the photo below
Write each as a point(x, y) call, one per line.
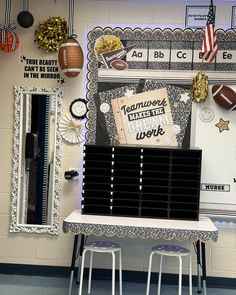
point(233, 18)
point(196, 16)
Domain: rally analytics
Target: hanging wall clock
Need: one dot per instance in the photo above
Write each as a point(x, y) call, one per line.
point(78, 108)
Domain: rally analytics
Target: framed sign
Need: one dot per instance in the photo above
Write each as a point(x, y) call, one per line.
point(233, 19)
point(196, 16)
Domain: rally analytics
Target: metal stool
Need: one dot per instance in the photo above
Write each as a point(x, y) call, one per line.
point(101, 247)
point(170, 250)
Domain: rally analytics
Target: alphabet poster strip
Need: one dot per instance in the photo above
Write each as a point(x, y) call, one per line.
point(161, 49)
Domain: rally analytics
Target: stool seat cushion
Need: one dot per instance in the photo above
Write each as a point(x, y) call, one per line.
point(102, 246)
point(171, 250)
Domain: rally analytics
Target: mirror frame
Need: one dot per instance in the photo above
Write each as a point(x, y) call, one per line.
point(15, 226)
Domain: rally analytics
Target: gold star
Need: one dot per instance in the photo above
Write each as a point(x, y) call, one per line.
point(222, 125)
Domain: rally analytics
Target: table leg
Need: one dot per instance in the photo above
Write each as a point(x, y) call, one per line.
point(204, 267)
point(81, 249)
point(72, 267)
point(198, 248)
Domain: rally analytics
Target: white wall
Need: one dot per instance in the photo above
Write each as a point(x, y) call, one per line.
point(48, 250)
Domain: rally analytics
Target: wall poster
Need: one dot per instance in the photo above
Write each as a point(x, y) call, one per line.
point(196, 16)
point(139, 92)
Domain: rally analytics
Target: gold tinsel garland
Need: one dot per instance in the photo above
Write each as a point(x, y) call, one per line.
point(51, 33)
point(200, 88)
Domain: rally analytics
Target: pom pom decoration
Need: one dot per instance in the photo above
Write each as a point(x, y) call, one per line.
point(200, 88)
point(10, 43)
point(70, 57)
point(51, 33)
point(224, 96)
point(25, 19)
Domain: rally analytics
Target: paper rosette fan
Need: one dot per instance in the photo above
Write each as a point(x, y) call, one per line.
point(200, 88)
point(9, 40)
point(51, 33)
point(70, 55)
point(72, 130)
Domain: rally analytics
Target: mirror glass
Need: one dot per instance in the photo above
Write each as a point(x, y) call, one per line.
point(36, 160)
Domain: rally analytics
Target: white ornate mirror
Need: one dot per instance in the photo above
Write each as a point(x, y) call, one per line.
point(36, 160)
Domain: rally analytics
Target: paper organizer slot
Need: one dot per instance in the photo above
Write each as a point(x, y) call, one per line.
point(142, 182)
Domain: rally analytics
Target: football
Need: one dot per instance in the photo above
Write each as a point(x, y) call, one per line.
point(70, 57)
point(119, 64)
point(225, 97)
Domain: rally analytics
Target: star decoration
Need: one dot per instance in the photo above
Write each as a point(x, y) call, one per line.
point(176, 104)
point(61, 81)
point(222, 125)
point(184, 97)
point(22, 58)
point(129, 92)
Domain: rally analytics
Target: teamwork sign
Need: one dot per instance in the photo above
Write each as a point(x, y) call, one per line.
point(144, 118)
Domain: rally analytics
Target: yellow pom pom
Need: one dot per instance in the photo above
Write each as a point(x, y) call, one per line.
point(50, 33)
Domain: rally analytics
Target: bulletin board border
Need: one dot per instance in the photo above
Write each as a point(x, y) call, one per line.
point(147, 34)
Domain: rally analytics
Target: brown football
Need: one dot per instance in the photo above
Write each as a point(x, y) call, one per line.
point(70, 57)
point(119, 64)
point(225, 97)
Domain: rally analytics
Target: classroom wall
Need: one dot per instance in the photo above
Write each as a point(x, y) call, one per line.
point(56, 250)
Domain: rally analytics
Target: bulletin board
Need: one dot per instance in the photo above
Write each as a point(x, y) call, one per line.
point(139, 92)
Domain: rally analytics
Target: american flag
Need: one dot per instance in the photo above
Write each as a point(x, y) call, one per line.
point(209, 45)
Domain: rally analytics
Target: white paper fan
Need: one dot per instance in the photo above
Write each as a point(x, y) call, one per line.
point(72, 130)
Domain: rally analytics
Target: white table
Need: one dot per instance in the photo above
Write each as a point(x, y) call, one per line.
point(200, 232)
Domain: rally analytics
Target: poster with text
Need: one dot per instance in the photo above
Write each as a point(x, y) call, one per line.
point(144, 118)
